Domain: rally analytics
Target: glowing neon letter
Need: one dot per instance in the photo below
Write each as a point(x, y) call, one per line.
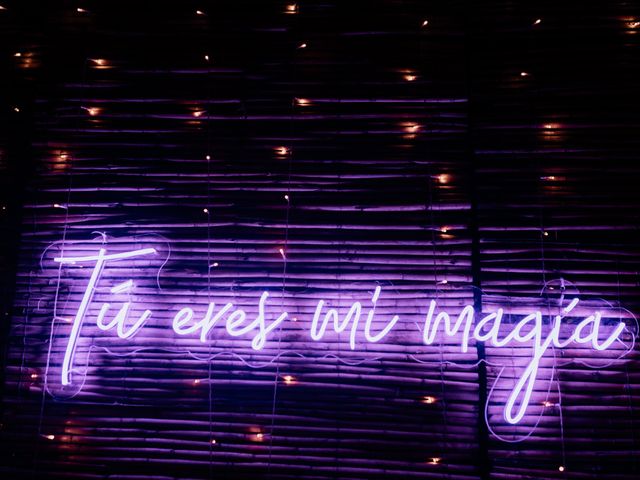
point(100, 260)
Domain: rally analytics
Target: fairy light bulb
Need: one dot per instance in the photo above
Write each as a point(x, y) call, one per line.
point(409, 77)
point(561, 468)
point(33, 376)
point(286, 197)
point(198, 113)
point(81, 10)
point(205, 210)
point(196, 381)
point(208, 157)
point(213, 441)
point(435, 460)
point(282, 151)
point(282, 254)
point(424, 23)
point(302, 45)
point(213, 265)
point(289, 380)
point(303, 102)
point(429, 400)
point(206, 58)
point(291, 8)
point(199, 12)
point(537, 21)
point(524, 74)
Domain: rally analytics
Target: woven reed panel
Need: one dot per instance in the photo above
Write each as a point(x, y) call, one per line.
point(414, 157)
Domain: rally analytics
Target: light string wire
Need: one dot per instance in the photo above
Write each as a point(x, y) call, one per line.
point(276, 378)
point(209, 210)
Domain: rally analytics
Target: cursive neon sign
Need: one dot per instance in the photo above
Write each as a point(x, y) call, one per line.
point(464, 327)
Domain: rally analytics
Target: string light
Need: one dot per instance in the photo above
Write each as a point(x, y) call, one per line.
point(33, 376)
point(206, 58)
point(291, 9)
point(281, 250)
point(213, 265)
point(50, 437)
point(208, 157)
point(561, 468)
point(282, 151)
point(524, 74)
point(548, 177)
point(443, 178)
point(545, 233)
point(92, 111)
point(424, 23)
point(16, 109)
point(289, 380)
point(547, 404)
point(435, 460)
point(302, 45)
point(286, 197)
point(409, 77)
point(198, 113)
point(303, 102)
point(200, 12)
point(2, 8)
point(205, 210)
point(213, 441)
point(443, 282)
point(428, 400)
point(538, 21)
point(82, 10)
point(17, 54)
point(196, 381)
point(444, 229)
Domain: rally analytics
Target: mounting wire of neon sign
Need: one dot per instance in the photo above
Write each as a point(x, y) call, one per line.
point(359, 318)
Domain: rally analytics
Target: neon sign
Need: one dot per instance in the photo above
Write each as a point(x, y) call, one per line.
point(360, 321)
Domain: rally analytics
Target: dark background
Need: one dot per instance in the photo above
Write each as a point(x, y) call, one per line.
point(485, 148)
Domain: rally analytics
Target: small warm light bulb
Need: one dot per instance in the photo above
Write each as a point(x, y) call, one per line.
point(524, 74)
point(281, 250)
point(92, 111)
point(196, 381)
point(425, 23)
point(213, 442)
point(198, 113)
point(214, 264)
point(206, 57)
point(16, 109)
point(33, 376)
point(295, 319)
point(302, 45)
point(547, 404)
point(429, 400)
point(208, 157)
point(291, 8)
point(81, 10)
point(17, 54)
point(538, 21)
point(288, 379)
point(282, 150)
point(303, 102)
point(444, 229)
point(2, 8)
point(50, 437)
point(259, 436)
point(410, 77)
point(444, 282)
point(199, 12)
point(286, 197)
point(443, 178)
point(205, 210)
point(545, 233)
point(561, 468)
point(435, 460)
